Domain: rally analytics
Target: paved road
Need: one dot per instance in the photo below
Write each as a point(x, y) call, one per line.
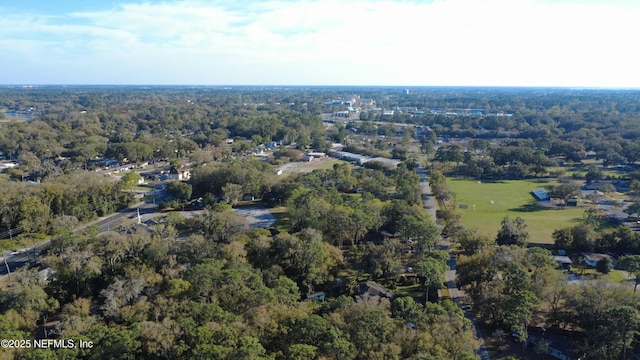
point(450, 276)
point(108, 222)
point(17, 259)
point(257, 217)
point(427, 198)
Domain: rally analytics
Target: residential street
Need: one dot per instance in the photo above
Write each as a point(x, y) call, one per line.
point(256, 216)
point(450, 276)
point(22, 257)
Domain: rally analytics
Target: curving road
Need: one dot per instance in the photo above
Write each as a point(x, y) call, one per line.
point(30, 256)
point(106, 223)
point(457, 295)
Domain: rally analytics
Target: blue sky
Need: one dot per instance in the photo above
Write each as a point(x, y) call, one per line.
point(577, 43)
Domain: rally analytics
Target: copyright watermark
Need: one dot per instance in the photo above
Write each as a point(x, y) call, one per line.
point(45, 344)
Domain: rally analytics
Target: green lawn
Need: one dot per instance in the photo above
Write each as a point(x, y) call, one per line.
point(22, 241)
point(282, 223)
point(614, 277)
point(617, 276)
point(582, 168)
point(445, 294)
point(496, 199)
point(414, 291)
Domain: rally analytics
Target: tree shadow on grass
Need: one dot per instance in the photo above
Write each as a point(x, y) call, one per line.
point(491, 181)
point(529, 207)
point(540, 181)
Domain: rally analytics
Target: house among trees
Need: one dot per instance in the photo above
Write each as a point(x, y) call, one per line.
point(556, 345)
point(564, 262)
point(259, 150)
point(389, 163)
point(317, 296)
point(181, 174)
point(6, 165)
point(591, 259)
point(271, 145)
point(312, 155)
point(607, 185)
point(389, 236)
point(372, 288)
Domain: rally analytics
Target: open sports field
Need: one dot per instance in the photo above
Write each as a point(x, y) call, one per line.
point(496, 199)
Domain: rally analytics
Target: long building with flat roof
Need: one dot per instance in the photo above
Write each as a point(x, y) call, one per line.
point(362, 159)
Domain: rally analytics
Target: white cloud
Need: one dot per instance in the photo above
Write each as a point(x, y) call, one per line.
point(444, 42)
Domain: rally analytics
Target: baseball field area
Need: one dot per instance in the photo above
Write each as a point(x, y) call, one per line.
point(484, 204)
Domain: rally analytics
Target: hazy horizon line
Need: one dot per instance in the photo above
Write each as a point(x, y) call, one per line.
point(568, 87)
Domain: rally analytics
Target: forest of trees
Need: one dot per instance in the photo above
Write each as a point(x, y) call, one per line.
point(209, 286)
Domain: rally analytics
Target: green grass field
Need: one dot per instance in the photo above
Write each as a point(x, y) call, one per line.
point(282, 223)
point(510, 198)
point(614, 277)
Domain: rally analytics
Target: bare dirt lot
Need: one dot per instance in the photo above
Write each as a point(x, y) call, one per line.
point(257, 216)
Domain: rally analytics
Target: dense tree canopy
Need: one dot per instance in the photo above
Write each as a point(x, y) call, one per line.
point(210, 287)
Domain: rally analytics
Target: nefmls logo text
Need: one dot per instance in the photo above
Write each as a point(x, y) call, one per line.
point(54, 343)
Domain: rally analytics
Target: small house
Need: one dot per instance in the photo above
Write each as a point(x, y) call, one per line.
point(558, 346)
point(372, 288)
point(389, 236)
point(317, 296)
point(564, 262)
point(591, 259)
point(317, 154)
point(181, 174)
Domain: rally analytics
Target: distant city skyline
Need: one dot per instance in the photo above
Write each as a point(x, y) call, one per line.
point(542, 43)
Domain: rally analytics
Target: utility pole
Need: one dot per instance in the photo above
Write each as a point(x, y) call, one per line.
point(108, 213)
